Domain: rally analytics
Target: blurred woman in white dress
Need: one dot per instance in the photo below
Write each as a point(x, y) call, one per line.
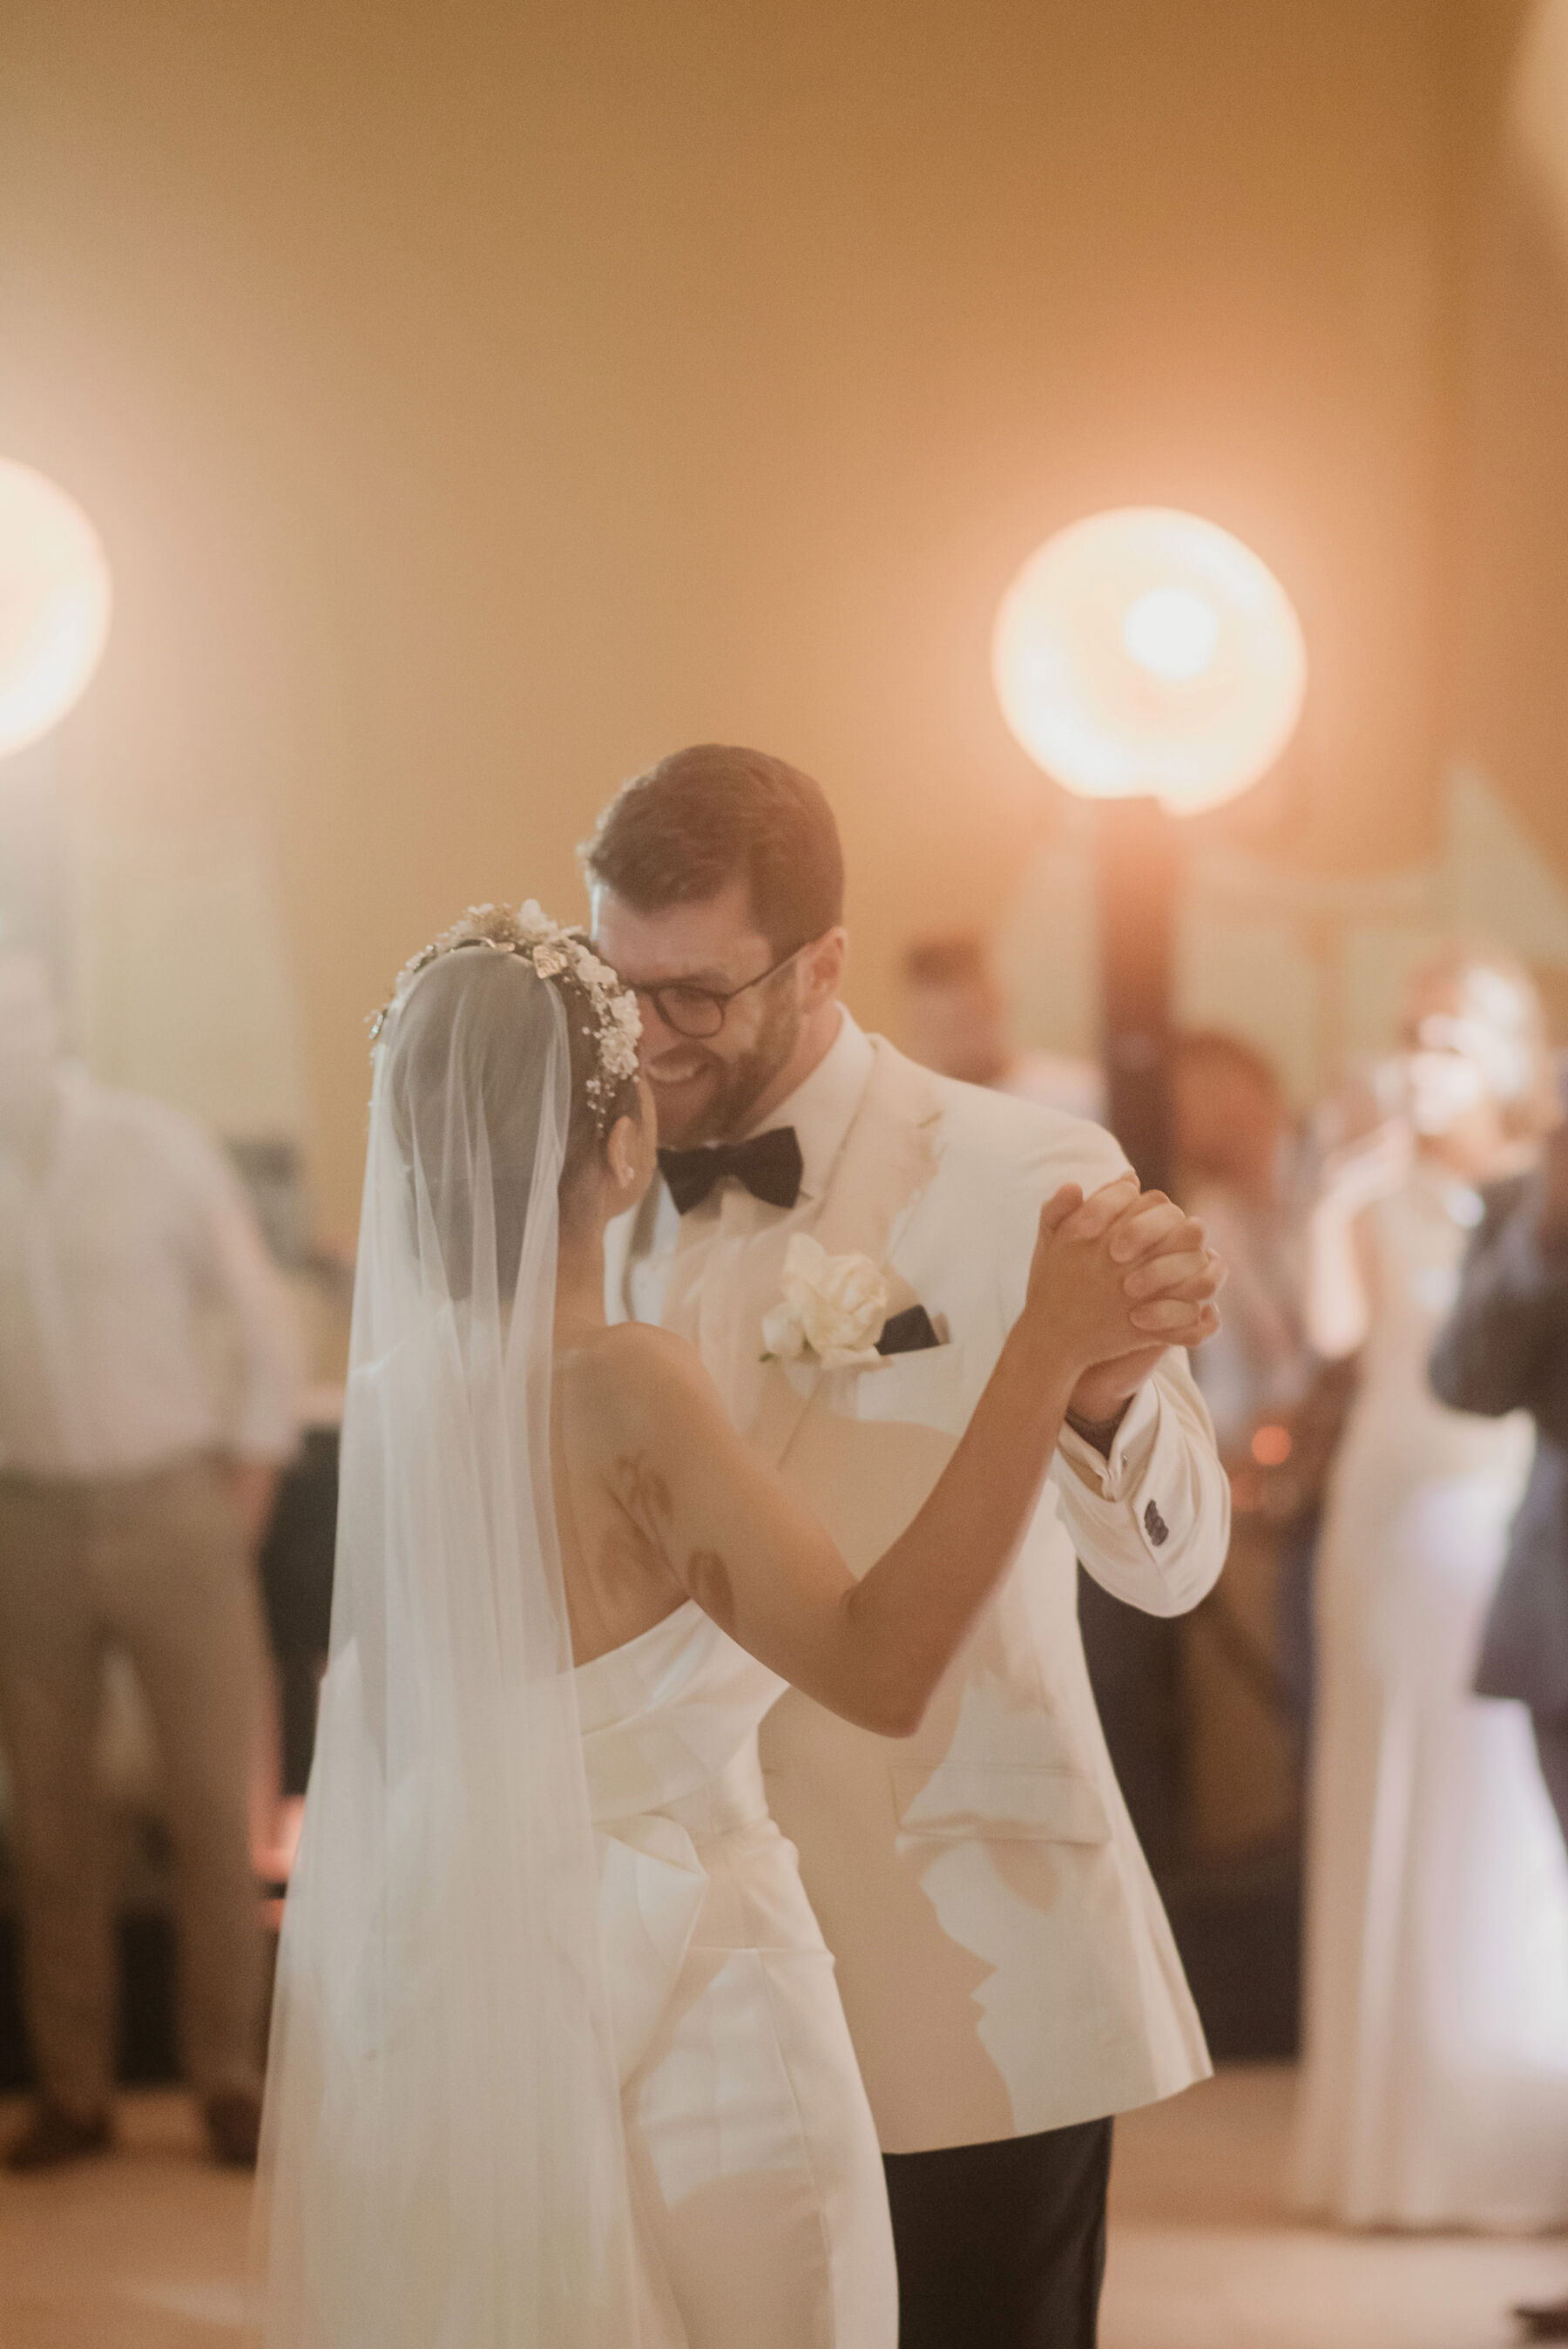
point(1434, 2088)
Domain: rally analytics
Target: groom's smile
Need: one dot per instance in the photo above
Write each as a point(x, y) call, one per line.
point(684, 1082)
point(725, 1015)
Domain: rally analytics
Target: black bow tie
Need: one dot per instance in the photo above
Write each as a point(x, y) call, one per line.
point(769, 1165)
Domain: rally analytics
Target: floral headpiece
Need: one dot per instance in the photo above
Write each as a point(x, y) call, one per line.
point(531, 934)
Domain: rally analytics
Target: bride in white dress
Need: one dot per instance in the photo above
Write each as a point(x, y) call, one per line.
point(558, 2058)
point(1434, 2086)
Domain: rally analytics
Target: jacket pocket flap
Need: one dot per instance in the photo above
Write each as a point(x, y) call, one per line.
point(1035, 1803)
point(926, 1387)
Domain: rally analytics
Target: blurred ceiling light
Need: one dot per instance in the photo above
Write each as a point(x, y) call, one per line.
point(1148, 652)
point(54, 604)
point(1172, 632)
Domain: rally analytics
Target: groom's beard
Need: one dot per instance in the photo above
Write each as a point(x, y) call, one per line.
point(717, 1101)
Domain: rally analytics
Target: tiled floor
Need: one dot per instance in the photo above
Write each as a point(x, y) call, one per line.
point(143, 2250)
point(1201, 2256)
point(148, 2250)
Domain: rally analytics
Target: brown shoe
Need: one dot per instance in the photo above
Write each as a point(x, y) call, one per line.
point(1547, 2321)
point(53, 2135)
point(233, 2118)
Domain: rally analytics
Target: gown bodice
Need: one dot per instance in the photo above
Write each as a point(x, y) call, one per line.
point(1419, 1497)
point(669, 1725)
point(1398, 1425)
point(670, 1722)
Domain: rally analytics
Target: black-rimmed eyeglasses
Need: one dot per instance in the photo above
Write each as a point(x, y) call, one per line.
point(699, 1011)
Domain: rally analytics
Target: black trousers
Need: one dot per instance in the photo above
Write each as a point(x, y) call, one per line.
point(1002, 2246)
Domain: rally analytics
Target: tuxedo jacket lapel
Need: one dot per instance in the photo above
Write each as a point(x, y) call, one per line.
point(888, 1157)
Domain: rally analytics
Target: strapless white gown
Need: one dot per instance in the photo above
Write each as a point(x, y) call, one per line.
point(754, 2159)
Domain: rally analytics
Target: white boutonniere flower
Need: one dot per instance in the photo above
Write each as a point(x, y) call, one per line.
point(833, 1307)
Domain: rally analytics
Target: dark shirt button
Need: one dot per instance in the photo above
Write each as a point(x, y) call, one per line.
point(1155, 1527)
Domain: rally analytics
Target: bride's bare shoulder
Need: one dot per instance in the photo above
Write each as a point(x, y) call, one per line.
point(634, 1371)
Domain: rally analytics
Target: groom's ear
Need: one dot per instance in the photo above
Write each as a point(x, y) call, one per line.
point(822, 966)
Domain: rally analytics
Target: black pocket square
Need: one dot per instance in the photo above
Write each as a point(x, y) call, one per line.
point(909, 1333)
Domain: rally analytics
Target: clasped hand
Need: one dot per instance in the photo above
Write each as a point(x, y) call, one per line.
point(1124, 1263)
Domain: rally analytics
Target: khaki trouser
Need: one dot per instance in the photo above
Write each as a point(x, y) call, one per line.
point(160, 1567)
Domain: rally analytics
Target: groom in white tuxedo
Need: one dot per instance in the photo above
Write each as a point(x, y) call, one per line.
point(1007, 1972)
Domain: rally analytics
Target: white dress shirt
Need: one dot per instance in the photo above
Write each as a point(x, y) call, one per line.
point(676, 1271)
point(141, 1317)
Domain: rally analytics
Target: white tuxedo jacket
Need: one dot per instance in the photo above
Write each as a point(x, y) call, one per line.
point(1004, 1961)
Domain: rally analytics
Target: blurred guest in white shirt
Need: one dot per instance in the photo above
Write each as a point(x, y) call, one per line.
point(149, 1384)
point(956, 1016)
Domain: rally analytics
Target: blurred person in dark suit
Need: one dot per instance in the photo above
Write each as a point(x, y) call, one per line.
point(1238, 1162)
point(148, 1391)
point(1504, 1347)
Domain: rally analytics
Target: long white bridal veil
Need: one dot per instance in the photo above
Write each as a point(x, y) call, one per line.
point(442, 2160)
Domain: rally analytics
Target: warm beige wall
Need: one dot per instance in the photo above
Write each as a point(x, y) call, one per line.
point(479, 400)
point(1512, 561)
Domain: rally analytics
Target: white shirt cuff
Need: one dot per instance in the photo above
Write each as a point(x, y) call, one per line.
point(1131, 1449)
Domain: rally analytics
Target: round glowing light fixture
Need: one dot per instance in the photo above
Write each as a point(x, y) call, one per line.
point(1146, 651)
point(54, 604)
point(1172, 632)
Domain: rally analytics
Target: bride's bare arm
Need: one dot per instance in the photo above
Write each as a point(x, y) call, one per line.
point(760, 1564)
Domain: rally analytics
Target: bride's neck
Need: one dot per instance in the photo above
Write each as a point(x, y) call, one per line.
point(578, 1280)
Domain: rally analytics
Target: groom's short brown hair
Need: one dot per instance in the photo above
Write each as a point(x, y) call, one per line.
point(680, 832)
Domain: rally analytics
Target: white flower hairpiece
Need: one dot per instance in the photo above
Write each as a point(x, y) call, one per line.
point(529, 932)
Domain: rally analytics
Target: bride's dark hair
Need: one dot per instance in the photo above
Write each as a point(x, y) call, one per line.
point(466, 1061)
